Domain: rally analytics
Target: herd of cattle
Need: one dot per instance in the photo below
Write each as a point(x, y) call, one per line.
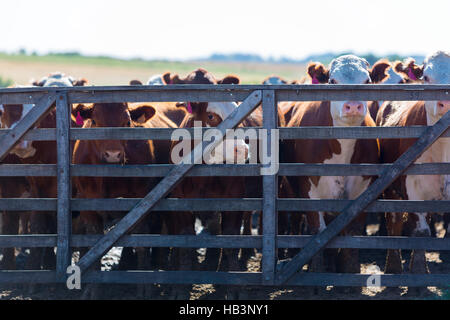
point(348, 69)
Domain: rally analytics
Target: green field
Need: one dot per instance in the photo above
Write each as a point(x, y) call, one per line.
point(21, 68)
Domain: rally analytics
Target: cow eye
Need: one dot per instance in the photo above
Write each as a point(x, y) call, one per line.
point(210, 116)
point(93, 121)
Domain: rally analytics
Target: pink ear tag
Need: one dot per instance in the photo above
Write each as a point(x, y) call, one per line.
point(314, 80)
point(189, 107)
point(79, 119)
point(411, 75)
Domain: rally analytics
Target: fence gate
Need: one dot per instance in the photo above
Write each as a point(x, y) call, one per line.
point(272, 271)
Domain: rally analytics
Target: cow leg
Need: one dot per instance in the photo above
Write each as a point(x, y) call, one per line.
point(418, 263)
point(231, 224)
point(316, 224)
point(447, 224)
point(394, 225)
point(41, 223)
point(246, 253)
point(182, 223)
point(143, 258)
point(92, 224)
point(295, 225)
point(10, 226)
point(211, 222)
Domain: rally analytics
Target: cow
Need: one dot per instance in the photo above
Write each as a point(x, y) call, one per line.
point(118, 152)
point(347, 69)
point(397, 72)
point(34, 152)
point(434, 70)
point(169, 109)
point(211, 115)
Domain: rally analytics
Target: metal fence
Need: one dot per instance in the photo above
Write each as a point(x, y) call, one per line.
point(272, 273)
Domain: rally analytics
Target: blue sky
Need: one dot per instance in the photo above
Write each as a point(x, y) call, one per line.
point(189, 29)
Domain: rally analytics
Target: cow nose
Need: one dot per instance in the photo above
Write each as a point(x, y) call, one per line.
point(353, 108)
point(241, 153)
point(443, 107)
point(113, 156)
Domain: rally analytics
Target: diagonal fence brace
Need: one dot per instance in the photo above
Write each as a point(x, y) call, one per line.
point(318, 242)
point(167, 184)
point(39, 111)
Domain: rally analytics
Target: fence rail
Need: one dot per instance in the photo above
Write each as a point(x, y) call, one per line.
point(269, 204)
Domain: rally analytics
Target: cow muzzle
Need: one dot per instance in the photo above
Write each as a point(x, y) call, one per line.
point(24, 149)
point(113, 156)
point(353, 109)
point(442, 107)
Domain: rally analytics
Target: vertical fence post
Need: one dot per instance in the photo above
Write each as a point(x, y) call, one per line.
point(64, 216)
point(270, 193)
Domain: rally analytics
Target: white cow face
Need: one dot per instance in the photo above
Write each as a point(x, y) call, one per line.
point(156, 80)
point(436, 70)
point(394, 77)
point(56, 79)
point(348, 69)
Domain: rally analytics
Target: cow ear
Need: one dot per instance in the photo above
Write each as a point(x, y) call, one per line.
point(79, 82)
point(409, 69)
point(379, 71)
point(171, 79)
point(230, 79)
point(135, 82)
point(39, 83)
point(142, 114)
point(318, 73)
point(82, 110)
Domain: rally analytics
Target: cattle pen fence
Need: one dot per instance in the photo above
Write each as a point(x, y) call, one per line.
point(272, 271)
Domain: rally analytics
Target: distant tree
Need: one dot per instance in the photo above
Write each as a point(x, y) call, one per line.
point(5, 82)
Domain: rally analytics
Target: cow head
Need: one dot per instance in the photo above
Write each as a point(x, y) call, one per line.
point(274, 80)
point(100, 115)
point(318, 73)
point(211, 114)
point(350, 69)
point(58, 79)
point(436, 70)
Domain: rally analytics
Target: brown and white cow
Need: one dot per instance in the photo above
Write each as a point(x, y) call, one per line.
point(435, 70)
point(348, 69)
point(392, 73)
point(211, 114)
point(36, 152)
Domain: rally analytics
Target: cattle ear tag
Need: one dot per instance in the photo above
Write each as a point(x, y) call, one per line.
point(411, 74)
point(189, 107)
point(314, 80)
point(79, 119)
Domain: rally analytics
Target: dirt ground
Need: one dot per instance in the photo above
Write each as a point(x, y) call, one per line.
point(438, 262)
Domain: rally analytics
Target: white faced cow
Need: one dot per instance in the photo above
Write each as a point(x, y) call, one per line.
point(435, 70)
point(348, 69)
